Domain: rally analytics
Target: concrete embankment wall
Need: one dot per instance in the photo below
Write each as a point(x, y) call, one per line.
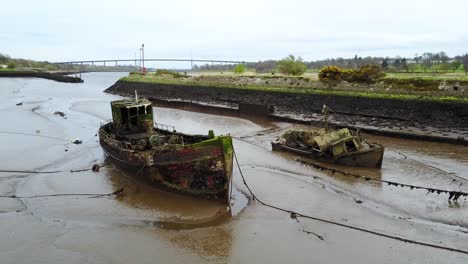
point(422, 112)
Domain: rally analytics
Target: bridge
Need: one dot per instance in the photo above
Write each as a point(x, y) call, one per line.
point(116, 61)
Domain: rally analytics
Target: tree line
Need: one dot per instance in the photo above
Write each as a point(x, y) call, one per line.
point(426, 62)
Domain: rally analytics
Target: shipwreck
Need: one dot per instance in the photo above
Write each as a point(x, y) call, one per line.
point(344, 146)
point(199, 165)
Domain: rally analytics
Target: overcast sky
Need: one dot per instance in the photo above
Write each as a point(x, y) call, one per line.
point(251, 30)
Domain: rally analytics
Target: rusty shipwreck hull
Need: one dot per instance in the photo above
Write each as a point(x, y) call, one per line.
point(371, 157)
point(203, 169)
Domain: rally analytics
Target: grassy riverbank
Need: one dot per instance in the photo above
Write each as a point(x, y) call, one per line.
point(390, 88)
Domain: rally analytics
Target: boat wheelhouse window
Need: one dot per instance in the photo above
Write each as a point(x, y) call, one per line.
point(149, 109)
point(350, 145)
point(124, 115)
point(132, 111)
point(141, 110)
point(133, 116)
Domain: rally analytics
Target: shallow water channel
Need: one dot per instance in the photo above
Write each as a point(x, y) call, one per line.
point(148, 225)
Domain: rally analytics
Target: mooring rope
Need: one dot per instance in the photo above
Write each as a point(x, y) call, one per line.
point(253, 144)
point(94, 195)
point(34, 135)
point(295, 215)
point(268, 133)
point(429, 165)
point(95, 168)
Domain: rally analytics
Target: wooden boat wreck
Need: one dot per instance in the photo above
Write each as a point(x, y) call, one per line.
point(199, 165)
point(342, 146)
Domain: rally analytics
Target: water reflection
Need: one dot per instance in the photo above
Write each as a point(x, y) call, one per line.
point(178, 211)
point(202, 221)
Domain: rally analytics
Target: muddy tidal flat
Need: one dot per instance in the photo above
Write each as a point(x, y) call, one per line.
point(60, 216)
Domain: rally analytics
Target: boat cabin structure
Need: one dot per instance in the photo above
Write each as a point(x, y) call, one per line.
point(134, 115)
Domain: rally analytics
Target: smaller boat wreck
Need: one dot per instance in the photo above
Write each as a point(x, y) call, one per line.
point(199, 165)
point(342, 146)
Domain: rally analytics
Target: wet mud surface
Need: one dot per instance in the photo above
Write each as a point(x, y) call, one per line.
point(148, 225)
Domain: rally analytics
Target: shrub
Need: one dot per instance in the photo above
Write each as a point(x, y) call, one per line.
point(332, 74)
point(164, 72)
point(291, 65)
point(51, 67)
point(11, 65)
point(240, 68)
point(369, 73)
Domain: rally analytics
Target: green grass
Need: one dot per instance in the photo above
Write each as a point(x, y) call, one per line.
point(7, 70)
point(450, 76)
point(301, 90)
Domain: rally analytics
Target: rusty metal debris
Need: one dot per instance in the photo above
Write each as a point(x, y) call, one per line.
point(95, 168)
point(60, 113)
point(77, 141)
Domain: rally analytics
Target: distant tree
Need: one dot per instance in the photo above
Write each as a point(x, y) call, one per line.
point(397, 63)
point(265, 66)
point(291, 65)
point(455, 65)
point(416, 58)
point(427, 60)
point(4, 59)
point(384, 63)
point(404, 64)
point(465, 63)
point(11, 65)
point(443, 57)
point(356, 63)
point(240, 68)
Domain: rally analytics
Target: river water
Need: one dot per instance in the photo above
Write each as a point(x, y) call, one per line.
point(147, 225)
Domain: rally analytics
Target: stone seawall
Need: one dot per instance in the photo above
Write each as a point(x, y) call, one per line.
point(430, 118)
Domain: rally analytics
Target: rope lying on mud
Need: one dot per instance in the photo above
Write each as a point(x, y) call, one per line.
point(253, 144)
point(430, 166)
point(94, 195)
point(95, 168)
point(268, 133)
point(49, 137)
point(34, 135)
point(453, 195)
point(295, 215)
